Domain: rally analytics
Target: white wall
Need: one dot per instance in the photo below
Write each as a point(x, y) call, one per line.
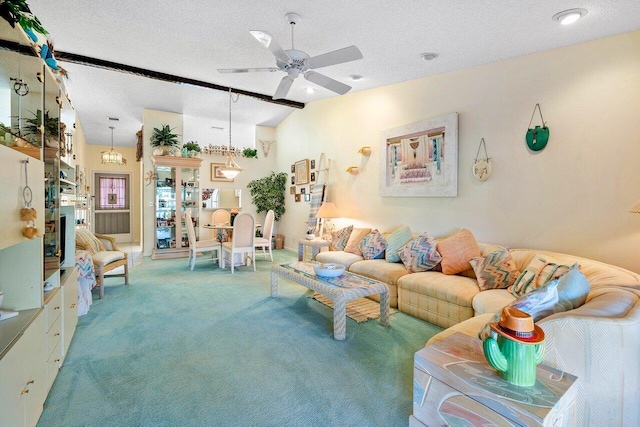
point(572, 197)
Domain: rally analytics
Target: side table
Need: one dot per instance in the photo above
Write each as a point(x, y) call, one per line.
point(454, 385)
point(315, 244)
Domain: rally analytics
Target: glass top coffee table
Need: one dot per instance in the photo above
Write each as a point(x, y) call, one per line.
point(339, 289)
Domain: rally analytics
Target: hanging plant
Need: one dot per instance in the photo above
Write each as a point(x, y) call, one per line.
point(268, 193)
point(18, 12)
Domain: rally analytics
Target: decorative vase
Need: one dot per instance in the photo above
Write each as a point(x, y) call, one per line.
point(515, 362)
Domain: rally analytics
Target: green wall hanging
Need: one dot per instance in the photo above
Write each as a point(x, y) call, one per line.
point(537, 137)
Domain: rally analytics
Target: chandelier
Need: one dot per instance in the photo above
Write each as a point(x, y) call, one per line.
point(230, 169)
point(112, 156)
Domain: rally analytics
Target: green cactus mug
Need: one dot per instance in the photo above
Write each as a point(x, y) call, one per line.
point(519, 348)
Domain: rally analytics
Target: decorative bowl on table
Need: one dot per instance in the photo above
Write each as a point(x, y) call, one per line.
point(328, 269)
point(310, 236)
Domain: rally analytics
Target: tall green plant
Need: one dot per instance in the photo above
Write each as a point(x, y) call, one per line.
point(164, 137)
point(268, 193)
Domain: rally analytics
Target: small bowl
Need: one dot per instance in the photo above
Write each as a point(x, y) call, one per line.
point(310, 236)
point(328, 269)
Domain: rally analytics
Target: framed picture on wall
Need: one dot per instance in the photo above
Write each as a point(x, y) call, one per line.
point(216, 175)
point(293, 180)
point(313, 164)
point(312, 176)
point(293, 168)
point(302, 172)
point(303, 190)
point(307, 197)
point(292, 189)
point(297, 197)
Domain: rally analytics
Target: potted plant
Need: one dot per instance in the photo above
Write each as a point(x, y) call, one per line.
point(268, 193)
point(51, 127)
point(250, 152)
point(163, 139)
point(191, 149)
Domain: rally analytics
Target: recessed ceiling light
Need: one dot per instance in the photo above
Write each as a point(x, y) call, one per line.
point(310, 90)
point(355, 77)
point(428, 56)
point(570, 16)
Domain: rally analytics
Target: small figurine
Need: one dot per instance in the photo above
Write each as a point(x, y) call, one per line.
point(518, 349)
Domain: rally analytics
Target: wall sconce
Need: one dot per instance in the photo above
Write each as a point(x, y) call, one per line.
point(353, 170)
point(365, 151)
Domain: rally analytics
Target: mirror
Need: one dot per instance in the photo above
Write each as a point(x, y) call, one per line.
point(221, 198)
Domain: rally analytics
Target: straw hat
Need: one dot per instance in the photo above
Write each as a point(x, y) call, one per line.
point(518, 326)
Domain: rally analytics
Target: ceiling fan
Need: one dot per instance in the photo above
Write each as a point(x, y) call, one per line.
point(295, 62)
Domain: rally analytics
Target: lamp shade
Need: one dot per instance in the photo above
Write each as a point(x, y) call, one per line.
point(635, 208)
point(327, 210)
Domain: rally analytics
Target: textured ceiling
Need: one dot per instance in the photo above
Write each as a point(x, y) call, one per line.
point(193, 38)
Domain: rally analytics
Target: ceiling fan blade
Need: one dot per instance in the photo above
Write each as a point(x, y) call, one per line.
point(246, 70)
point(283, 88)
point(270, 43)
point(339, 56)
point(327, 82)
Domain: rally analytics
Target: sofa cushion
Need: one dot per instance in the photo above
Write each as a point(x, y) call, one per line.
point(339, 238)
point(542, 269)
point(395, 240)
point(457, 250)
point(353, 244)
point(437, 298)
point(495, 270)
point(107, 257)
point(380, 269)
point(338, 257)
point(491, 301)
point(373, 245)
point(420, 254)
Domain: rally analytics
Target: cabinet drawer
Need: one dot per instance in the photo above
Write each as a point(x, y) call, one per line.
point(53, 366)
point(53, 309)
point(53, 337)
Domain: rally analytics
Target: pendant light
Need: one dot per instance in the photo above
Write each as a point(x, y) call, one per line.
point(112, 156)
point(230, 169)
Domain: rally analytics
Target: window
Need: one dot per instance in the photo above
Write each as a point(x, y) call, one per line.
point(112, 193)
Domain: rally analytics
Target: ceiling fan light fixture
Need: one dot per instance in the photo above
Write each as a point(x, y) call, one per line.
point(567, 17)
point(310, 90)
point(428, 56)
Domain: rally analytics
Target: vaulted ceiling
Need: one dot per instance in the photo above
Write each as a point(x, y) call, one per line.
point(194, 38)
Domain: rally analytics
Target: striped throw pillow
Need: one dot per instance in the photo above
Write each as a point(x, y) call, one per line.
point(497, 270)
point(373, 245)
point(420, 254)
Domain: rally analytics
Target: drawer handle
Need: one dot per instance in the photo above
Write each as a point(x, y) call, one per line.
point(56, 335)
point(56, 308)
point(25, 391)
point(56, 360)
point(31, 382)
point(73, 305)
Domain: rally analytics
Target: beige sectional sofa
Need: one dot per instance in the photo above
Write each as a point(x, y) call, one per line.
point(598, 342)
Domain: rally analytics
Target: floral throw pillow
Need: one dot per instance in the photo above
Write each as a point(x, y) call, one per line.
point(340, 238)
point(373, 245)
point(420, 254)
point(497, 270)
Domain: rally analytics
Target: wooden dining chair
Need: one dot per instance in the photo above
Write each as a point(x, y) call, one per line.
point(264, 242)
point(196, 246)
point(242, 242)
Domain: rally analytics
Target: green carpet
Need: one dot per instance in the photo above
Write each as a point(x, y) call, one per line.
point(205, 348)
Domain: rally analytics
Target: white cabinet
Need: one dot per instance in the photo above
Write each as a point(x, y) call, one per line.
point(53, 334)
point(70, 307)
point(23, 371)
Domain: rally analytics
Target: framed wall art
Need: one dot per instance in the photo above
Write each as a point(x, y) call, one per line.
point(302, 172)
point(420, 159)
point(292, 189)
point(297, 197)
point(216, 175)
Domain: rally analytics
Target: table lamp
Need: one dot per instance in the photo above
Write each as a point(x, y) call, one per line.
point(327, 210)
